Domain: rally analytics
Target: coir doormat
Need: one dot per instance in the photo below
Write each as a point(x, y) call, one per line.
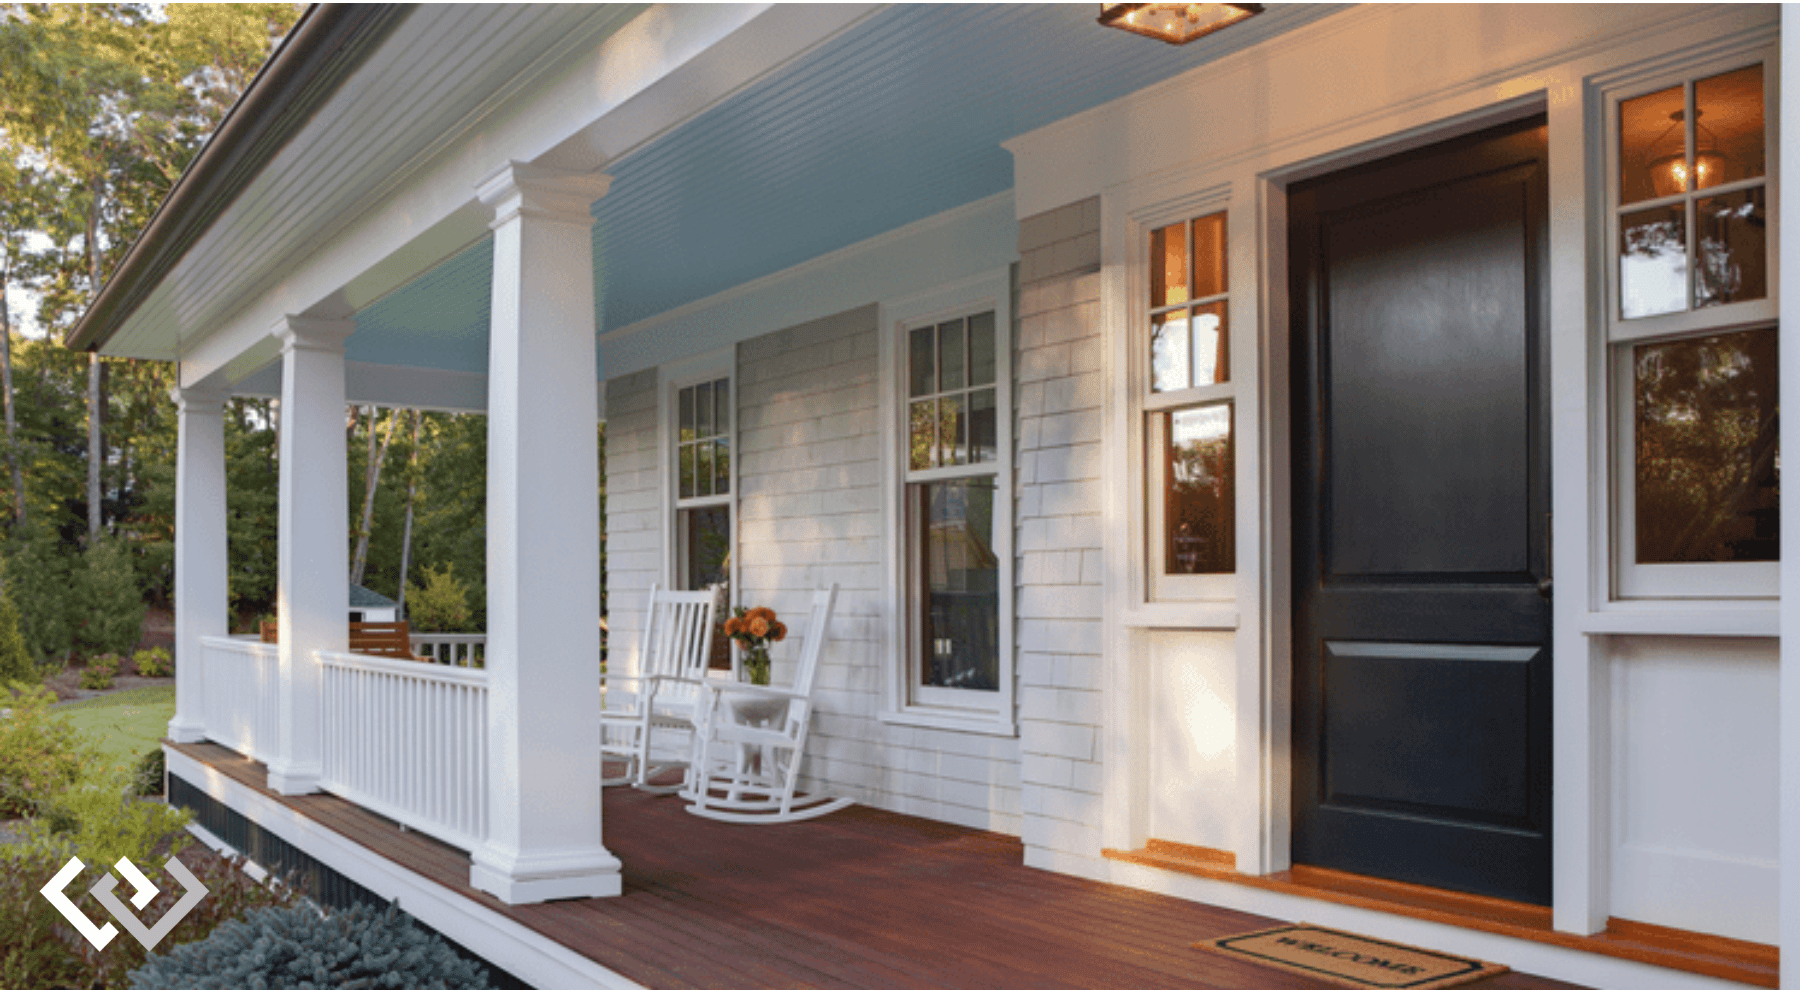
point(1351, 960)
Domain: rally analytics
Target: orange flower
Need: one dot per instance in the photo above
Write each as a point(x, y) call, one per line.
point(778, 633)
point(733, 625)
point(764, 613)
point(759, 627)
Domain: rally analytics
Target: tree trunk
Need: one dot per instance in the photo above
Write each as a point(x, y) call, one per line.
point(412, 493)
point(6, 386)
point(96, 444)
point(371, 478)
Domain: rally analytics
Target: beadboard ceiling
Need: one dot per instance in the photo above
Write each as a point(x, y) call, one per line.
point(899, 118)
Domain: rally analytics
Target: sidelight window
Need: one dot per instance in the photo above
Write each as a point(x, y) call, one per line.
point(1187, 401)
point(702, 457)
point(1691, 331)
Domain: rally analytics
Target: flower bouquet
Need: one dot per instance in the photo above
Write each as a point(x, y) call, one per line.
point(754, 629)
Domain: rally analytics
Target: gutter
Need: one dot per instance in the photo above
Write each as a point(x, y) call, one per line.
point(327, 44)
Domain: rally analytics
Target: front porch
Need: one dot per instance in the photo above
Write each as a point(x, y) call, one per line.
point(859, 899)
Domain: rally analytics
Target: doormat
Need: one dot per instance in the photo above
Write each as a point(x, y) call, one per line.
point(1351, 960)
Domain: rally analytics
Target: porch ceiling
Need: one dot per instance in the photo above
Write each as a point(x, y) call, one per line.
point(899, 118)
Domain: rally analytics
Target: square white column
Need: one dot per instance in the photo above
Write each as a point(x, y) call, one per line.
point(202, 591)
point(312, 575)
point(543, 546)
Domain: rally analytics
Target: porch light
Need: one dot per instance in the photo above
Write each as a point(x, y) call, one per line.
point(1669, 172)
point(1175, 23)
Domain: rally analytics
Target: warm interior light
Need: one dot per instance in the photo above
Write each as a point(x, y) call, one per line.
point(1669, 173)
point(1175, 23)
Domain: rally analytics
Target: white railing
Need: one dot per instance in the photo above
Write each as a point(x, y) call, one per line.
point(407, 740)
point(242, 694)
point(453, 649)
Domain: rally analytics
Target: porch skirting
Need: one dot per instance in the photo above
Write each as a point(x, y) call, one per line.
point(348, 871)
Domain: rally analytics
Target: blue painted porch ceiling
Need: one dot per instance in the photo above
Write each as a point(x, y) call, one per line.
point(898, 119)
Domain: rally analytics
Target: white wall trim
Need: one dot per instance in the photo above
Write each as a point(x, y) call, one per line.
point(901, 262)
point(971, 294)
point(495, 937)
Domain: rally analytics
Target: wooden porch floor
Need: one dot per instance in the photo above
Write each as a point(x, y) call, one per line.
point(861, 899)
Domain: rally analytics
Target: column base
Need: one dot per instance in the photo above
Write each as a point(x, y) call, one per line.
point(533, 879)
point(185, 732)
point(293, 779)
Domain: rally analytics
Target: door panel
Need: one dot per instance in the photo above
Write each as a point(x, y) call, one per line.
point(1421, 493)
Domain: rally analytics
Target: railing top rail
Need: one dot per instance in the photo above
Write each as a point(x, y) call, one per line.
point(449, 637)
point(246, 647)
point(404, 668)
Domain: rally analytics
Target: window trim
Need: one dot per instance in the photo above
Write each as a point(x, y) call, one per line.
point(1629, 580)
point(673, 378)
point(1149, 585)
point(903, 702)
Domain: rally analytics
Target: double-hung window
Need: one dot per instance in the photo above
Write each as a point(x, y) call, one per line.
point(1187, 401)
point(953, 525)
point(702, 463)
point(1691, 332)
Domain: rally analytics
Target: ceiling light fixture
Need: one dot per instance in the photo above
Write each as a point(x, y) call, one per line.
point(1175, 23)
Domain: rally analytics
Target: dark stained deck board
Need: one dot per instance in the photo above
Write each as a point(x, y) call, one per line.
point(861, 899)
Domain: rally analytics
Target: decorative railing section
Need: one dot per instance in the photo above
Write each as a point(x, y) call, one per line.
point(409, 741)
point(242, 695)
point(452, 649)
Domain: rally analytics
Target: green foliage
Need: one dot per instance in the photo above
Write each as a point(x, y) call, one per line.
point(111, 605)
point(299, 947)
point(41, 753)
point(124, 725)
point(100, 818)
point(442, 605)
point(154, 662)
point(99, 672)
point(38, 582)
point(147, 776)
point(38, 949)
point(15, 662)
point(35, 950)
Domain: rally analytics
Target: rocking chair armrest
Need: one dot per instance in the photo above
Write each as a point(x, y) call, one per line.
point(758, 691)
point(604, 678)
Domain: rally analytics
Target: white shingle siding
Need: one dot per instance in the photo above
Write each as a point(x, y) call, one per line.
point(1059, 535)
point(810, 512)
point(633, 509)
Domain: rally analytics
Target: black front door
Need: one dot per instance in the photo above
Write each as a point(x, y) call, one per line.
point(1421, 500)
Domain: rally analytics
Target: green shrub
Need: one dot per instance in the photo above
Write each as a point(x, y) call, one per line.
point(41, 753)
point(442, 605)
point(100, 818)
point(147, 776)
point(16, 666)
point(99, 672)
point(38, 580)
point(151, 663)
point(39, 950)
point(299, 947)
point(112, 605)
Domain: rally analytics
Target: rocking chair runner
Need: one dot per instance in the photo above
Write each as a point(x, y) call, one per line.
point(750, 741)
point(635, 708)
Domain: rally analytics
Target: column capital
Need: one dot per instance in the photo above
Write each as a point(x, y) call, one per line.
point(524, 189)
point(205, 400)
point(312, 333)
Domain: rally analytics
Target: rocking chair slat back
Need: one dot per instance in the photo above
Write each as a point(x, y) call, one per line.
point(678, 641)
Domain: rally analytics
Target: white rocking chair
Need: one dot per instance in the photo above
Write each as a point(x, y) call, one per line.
point(664, 695)
point(750, 742)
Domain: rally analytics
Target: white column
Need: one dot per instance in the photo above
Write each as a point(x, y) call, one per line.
point(1788, 267)
point(202, 596)
point(312, 582)
point(543, 546)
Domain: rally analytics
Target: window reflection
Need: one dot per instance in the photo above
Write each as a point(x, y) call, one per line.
point(1199, 505)
point(1708, 470)
point(953, 530)
point(1653, 262)
point(1732, 248)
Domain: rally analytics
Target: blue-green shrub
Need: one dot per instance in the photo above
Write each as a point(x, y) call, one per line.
point(298, 948)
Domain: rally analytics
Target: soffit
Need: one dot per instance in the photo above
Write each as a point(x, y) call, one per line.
point(455, 66)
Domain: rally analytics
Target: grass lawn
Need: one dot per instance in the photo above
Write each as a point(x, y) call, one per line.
point(125, 725)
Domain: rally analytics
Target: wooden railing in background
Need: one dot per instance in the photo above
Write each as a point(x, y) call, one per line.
point(407, 740)
point(455, 649)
